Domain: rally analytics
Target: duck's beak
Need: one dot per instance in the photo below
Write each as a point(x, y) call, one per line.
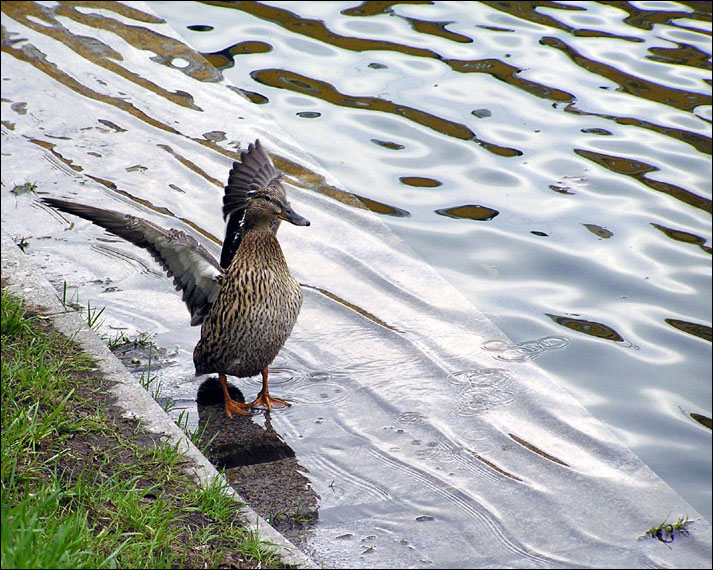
point(289, 215)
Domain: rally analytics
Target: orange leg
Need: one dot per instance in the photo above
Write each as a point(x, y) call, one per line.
point(230, 404)
point(264, 399)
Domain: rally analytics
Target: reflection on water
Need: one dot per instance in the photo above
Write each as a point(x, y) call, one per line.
point(588, 327)
point(685, 237)
point(297, 83)
point(605, 104)
point(637, 169)
point(576, 135)
point(469, 211)
point(257, 461)
point(536, 450)
point(696, 329)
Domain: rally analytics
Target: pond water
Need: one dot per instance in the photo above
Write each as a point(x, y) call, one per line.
point(551, 160)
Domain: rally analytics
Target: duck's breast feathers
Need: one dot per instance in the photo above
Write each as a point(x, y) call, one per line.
point(194, 270)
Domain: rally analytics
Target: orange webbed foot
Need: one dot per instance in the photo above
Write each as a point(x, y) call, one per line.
point(233, 407)
point(264, 400)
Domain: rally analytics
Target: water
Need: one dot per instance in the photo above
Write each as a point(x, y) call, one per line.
point(585, 127)
point(555, 169)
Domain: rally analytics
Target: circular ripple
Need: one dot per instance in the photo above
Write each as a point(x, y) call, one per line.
point(521, 352)
point(430, 451)
point(495, 345)
point(411, 418)
point(439, 452)
point(525, 350)
point(481, 377)
point(475, 400)
point(319, 393)
point(278, 375)
point(554, 342)
point(318, 376)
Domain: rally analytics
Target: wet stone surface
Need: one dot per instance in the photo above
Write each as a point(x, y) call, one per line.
point(260, 466)
point(141, 356)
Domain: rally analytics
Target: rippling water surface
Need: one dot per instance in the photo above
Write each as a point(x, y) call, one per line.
point(552, 160)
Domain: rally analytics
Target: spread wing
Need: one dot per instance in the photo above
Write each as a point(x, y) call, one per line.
point(254, 172)
point(195, 272)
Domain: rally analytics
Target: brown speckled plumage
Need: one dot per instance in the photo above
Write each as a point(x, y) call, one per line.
point(247, 304)
point(254, 313)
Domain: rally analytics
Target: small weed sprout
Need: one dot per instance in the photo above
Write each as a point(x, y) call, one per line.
point(72, 303)
point(121, 339)
point(666, 532)
point(197, 436)
point(93, 316)
point(26, 188)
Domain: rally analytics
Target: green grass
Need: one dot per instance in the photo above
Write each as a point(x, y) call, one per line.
point(92, 314)
point(83, 488)
point(149, 382)
point(121, 338)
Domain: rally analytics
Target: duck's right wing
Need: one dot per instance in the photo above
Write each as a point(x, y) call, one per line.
point(195, 272)
point(253, 172)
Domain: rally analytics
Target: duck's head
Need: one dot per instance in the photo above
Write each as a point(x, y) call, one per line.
point(266, 206)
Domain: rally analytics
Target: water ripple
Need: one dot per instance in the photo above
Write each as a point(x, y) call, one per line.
point(525, 350)
point(319, 393)
point(411, 418)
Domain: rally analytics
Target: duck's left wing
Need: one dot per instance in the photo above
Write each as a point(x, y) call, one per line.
point(195, 272)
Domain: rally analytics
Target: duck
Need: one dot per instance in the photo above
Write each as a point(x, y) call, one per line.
point(248, 302)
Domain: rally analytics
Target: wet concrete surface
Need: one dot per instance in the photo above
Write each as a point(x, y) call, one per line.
point(258, 463)
point(135, 401)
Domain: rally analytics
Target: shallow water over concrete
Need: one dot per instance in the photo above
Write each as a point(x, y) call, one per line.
point(552, 161)
point(428, 437)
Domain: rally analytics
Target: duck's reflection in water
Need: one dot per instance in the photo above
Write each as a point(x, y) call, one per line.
point(258, 463)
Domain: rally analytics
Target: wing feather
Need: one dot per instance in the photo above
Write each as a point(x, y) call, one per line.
point(253, 172)
point(194, 270)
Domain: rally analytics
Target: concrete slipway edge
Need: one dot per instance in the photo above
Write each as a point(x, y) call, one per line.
point(25, 280)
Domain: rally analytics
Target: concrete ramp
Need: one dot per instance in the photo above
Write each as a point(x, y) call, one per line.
point(424, 450)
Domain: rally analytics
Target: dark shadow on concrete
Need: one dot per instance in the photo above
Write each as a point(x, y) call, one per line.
point(258, 463)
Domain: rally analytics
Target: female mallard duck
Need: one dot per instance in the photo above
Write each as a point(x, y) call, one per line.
point(247, 304)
